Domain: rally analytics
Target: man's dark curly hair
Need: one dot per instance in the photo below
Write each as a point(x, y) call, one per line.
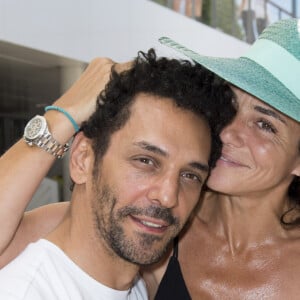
point(190, 86)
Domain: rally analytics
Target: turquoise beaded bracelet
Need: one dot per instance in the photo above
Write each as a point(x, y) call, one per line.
point(53, 107)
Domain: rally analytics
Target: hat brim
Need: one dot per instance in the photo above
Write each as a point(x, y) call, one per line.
point(247, 75)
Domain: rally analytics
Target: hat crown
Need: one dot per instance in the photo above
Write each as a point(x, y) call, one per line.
point(285, 33)
point(270, 70)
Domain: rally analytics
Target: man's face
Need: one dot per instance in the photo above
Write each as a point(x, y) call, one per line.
point(150, 179)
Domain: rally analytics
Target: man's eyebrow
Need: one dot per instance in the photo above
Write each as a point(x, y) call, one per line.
point(152, 148)
point(270, 113)
point(200, 166)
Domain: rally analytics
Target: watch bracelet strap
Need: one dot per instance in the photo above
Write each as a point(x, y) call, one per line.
point(50, 145)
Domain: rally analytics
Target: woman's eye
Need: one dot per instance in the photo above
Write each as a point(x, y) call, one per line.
point(267, 126)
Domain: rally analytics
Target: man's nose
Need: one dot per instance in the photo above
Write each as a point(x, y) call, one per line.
point(165, 190)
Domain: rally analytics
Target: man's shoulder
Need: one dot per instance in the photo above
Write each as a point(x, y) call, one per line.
point(43, 271)
point(18, 277)
point(29, 259)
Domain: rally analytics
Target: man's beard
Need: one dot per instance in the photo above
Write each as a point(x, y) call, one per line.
point(141, 248)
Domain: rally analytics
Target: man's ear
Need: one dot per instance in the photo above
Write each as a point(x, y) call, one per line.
point(81, 159)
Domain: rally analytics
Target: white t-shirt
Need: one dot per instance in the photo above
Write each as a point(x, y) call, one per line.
point(44, 272)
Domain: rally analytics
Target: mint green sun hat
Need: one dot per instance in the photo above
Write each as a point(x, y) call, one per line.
point(270, 69)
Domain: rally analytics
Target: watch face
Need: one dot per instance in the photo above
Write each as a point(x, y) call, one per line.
point(35, 128)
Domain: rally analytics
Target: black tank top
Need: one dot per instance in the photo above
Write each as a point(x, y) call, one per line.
point(172, 285)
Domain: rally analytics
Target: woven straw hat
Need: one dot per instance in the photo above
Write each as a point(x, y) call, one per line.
point(270, 70)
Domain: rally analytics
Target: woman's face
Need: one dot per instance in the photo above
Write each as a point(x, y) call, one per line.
point(260, 150)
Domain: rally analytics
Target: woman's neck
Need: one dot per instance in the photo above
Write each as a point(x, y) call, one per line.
point(244, 221)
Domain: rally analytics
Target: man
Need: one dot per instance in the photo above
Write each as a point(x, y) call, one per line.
point(138, 167)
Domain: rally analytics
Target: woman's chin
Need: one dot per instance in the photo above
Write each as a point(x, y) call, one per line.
point(219, 183)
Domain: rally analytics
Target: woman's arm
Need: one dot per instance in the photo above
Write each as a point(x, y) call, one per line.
point(34, 225)
point(23, 167)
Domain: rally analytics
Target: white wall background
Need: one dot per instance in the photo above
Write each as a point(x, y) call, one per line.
point(83, 29)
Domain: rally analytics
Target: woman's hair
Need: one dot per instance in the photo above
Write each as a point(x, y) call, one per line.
point(291, 217)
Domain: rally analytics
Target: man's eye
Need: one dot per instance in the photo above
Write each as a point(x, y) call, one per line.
point(234, 103)
point(191, 176)
point(145, 160)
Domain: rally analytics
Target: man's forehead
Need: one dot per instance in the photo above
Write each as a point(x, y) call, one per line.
point(151, 111)
point(158, 121)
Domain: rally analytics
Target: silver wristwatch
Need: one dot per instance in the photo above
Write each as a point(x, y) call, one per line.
point(37, 133)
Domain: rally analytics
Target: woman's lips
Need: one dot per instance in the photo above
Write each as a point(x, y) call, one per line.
point(227, 160)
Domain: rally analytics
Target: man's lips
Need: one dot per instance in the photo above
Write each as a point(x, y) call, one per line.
point(150, 223)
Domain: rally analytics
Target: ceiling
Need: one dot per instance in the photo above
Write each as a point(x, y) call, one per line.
point(29, 79)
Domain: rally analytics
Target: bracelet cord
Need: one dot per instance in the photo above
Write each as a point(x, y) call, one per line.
point(53, 107)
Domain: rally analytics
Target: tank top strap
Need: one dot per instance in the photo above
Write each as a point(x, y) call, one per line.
point(172, 285)
point(175, 247)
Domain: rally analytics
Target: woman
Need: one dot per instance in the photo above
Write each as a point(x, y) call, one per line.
point(243, 242)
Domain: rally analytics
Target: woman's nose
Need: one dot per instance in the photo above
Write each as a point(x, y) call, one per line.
point(234, 133)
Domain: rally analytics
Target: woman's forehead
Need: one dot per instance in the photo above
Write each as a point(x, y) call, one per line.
point(241, 95)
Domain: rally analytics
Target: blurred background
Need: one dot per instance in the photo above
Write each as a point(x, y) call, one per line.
point(244, 19)
point(45, 46)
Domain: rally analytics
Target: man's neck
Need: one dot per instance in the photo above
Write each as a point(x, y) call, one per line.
point(76, 236)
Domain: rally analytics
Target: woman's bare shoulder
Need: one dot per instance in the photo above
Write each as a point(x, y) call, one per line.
point(34, 225)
